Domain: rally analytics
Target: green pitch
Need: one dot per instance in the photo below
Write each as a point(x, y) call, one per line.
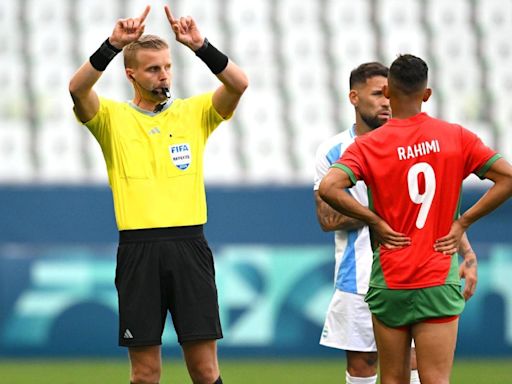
point(233, 372)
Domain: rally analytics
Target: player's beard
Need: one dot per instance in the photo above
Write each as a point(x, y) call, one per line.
point(373, 121)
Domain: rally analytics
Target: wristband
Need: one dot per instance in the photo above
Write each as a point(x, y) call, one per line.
point(212, 57)
point(103, 56)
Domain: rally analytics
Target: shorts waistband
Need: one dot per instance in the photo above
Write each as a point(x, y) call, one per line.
point(156, 234)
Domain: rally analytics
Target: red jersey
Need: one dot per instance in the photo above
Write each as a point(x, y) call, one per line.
point(414, 170)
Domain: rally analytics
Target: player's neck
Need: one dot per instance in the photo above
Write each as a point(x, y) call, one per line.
point(360, 127)
point(404, 110)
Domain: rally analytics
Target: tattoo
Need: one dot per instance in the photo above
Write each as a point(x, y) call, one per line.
point(371, 361)
point(470, 263)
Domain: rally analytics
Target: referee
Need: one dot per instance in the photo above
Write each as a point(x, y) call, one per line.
point(153, 148)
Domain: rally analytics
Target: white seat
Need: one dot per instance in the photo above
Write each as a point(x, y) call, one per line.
point(304, 46)
point(266, 158)
point(96, 169)
point(253, 48)
point(47, 14)
point(222, 164)
point(94, 13)
point(15, 143)
point(455, 48)
point(353, 47)
point(398, 41)
point(293, 16)
point(346, 15)
point(59, 153)
point(49, 45)
point(263, 77)
point(494, 15)
point(207, 16)
point(301, 82)
point(199, 81)
point(497, 50)
point(312, 116)
point(459, 91)
point(398, 15)
point(443, 16)
point(264, 139)
point(248, 16)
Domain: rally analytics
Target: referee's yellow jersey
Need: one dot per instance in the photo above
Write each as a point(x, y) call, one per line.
point(155, 161)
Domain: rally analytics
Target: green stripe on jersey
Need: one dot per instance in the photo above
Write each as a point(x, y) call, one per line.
point(347, 170)
point(483, 170)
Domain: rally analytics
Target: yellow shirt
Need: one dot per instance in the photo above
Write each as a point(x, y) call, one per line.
point(155, 161)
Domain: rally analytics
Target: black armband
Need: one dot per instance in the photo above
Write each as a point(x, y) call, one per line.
point(103, 56)
point(212, 57)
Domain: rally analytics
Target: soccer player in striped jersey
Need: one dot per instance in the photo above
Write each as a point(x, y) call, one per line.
point(348, 324)
point(413, 167)
point(153, 148)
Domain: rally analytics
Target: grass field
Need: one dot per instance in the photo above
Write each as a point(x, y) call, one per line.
point(233, 371)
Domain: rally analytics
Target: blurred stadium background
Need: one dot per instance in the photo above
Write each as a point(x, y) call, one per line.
point(274, 266)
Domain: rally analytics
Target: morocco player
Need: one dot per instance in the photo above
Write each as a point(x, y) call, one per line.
point(414, 167)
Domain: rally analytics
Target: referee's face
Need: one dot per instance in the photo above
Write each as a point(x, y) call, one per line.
point(371, 104)
point(153, 72)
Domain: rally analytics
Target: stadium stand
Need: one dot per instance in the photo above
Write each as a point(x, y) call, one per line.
point(298, 55)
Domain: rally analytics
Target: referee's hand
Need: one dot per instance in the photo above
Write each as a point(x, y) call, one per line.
point(185, 29)
point(128, 30)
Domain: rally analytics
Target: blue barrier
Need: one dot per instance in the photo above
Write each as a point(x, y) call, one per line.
point(274, 273)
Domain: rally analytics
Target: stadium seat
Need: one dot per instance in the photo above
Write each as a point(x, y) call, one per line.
point(95, 168)
point(497, 50)
point(207, 15)
point(221, 158)
point(253, 48)
point(300, 82)
point(59, 150)
point(294, 16)
point(302, 47)
point(47, 14)
point(460, 91)
point(15, 150)
point(96, 13)
point(448, 50)
point(248, 17)
point(444, 17)
point(398, 15)
point(353, 47)
point(399, 41)
point(343, 15)
point(494, 15)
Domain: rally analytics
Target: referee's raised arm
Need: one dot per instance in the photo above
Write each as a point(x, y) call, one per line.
point(234, 80)
point(86, 102)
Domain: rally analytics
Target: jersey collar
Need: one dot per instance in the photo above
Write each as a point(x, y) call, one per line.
point(150, 113)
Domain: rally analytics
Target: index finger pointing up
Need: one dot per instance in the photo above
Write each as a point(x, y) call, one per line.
point(145, 14)
point(169, 14)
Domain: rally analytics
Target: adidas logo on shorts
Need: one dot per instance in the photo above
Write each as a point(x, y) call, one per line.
point(128, 334)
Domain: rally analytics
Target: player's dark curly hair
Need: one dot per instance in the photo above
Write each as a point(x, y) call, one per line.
point(409, 73)
point(366, 71)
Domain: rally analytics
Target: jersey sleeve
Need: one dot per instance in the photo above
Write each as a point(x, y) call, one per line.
point(100, 125)
point(322, 165)
point(478, 157)
point(352, 162)
point(210, 118)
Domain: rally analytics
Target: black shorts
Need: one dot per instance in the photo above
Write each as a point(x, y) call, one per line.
point(166, 269)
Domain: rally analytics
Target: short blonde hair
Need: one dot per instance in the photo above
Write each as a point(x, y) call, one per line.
point(144, 42)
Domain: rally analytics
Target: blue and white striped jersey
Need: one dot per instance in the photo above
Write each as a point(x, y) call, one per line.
point(353, 252)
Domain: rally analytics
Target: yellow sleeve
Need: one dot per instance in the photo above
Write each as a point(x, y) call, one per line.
point(210, 118)
point(100, 124)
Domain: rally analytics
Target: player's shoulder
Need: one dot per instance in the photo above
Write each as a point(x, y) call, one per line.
point(341, 140)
